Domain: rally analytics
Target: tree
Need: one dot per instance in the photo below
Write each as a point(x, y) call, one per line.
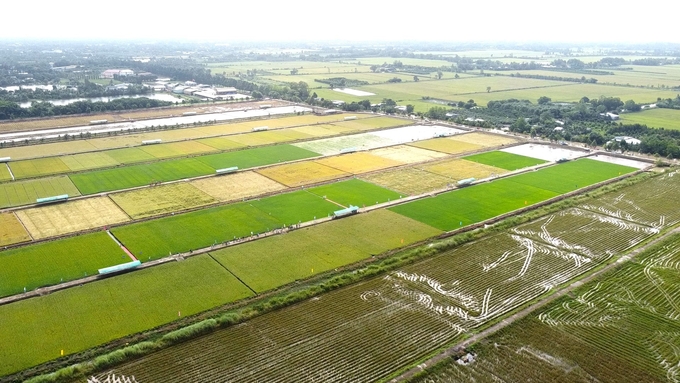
point(409, 108)
point(544, 100)
point(416, 79)
point(520, 125)
point(439, 75)
point(631, 106)
point(294, 71)
point(456, 76)
point(488, 89)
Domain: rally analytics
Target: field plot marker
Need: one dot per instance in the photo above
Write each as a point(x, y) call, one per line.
point(132, 256)
point(10, 171)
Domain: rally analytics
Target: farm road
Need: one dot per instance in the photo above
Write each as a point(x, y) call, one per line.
point(523, 313)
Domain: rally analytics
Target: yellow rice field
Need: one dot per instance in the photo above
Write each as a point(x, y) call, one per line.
point(484, 139)
point(407, 154)
point(447, 145)
point(410, 181)
point(47, 150)
point(38, 167)
point(12, 230)
point(359, 162)
point(459, 169)
point(221, 143)
point(177, 149)
point(86, 161)
point(163, 199)
point(52, 220)
point(302, 173)
point(237, 186)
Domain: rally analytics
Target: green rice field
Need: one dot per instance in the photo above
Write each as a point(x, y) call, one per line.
point(26, 192)
point(129, 155)
point(34, 331)
point(299, 206)
point(50, 263)
point(355, 192)
point(249, 158)
point(503, 160)
point(654, 118)
point(4, 173)
point(316, 249)
point(476, 203)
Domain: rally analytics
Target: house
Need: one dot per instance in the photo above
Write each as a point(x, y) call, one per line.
point(628, 140)
point(558, 129)
point(613, 116)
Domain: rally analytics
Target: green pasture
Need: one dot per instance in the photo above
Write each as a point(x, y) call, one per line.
point(139, 175)
point(355, 192)
point(26, 192)
point(503, 160)
point(476, 203)
point(290, 208)
point(249, 158)
point(50, 263)
point(654, 118)
point(38, 167)
point(34, 331)
point(305, 252)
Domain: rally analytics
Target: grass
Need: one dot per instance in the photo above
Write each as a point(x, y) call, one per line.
point(249, 158)
point(86, 161)
point(355, 192)
point(316, 249)
point(12, 230)
point(236, 186)
point(38, 167)
point(503, 160)
point(35, 330)
point(139, 175)
point(48, 263)
point(69, 217)
point(654, 118)
point(26, 192)
point(476, 203)
point(302, 173)
point(173, 197)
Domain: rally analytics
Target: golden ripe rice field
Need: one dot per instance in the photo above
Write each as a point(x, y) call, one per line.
point(407, 154)
point(237, 186)
point(447, 145)
point(147, 202)
point(409, 181)
point(359, 162)
point(69, 217)
point(12, 230)
point(38, 167)
point(459, 169)
point(302, 173)
point(177, 149)
point(484, 139)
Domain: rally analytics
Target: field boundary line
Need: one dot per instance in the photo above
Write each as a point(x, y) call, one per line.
point(125, 249)
point(234, 275)
point(542, 302)
point(10, 171)
point(107, 195)
point(25, 228)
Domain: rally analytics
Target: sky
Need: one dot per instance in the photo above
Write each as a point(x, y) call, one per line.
point(578, 21)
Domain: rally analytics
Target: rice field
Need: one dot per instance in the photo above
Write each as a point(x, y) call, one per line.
point(331, 146)
point(35, 330)
point(232, 187)
point(221, 143)
point(357, 163)
point(45, 150)
point(249, 158)
point(177, 149)
point(322, 130)
point(53, 122)
point(654, 118)
point(460, 169)
point(447, 145)
point(485, 139)
point(148, 202)
point(38, 167)
point(27, 191)
point(69, 217)
point(259, 138)
point(12, 230)
point(127, 156)
point(49, 263)
point(354, 192)
point(407, 154)
point(87, 161)
point(504, 160)
point(312, 250)
point(409, 181)
point(302, 173)
point(4, 173)
point(544, 152)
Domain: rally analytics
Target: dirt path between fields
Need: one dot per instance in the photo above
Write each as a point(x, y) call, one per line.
point(530, 309)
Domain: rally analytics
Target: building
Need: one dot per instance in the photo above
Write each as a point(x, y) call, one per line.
point(110, 73)
point(628, 140)
point(225, 91)
point(613, 116)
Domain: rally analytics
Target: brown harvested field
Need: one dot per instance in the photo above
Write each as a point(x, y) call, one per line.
point(158, 200)
point(459, 169)
point(177, 149)
point(86, 161)
point(54, 122)
point(357, 163)
point(484, 139)
point(407, 154)
point(320, 130)
point(221, 143)
point(410, 181)
point(12, 230)
point(259, 138)
point(446, 145)
point(68, 217)
point(47, 150)
point(38, 167)
point(302, 173)
point(230, 187)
